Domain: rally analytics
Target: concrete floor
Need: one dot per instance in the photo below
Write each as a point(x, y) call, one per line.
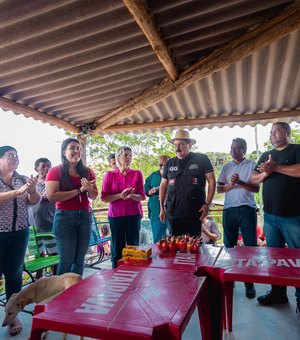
point(250, 320)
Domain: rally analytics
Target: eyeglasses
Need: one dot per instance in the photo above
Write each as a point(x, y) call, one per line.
point(12, 156)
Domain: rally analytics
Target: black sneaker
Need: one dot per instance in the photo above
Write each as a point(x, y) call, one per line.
point(250, 290)
point(272, 299)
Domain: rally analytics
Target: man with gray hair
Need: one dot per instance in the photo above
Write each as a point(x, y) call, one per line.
point(182, 188)
point(239, 206)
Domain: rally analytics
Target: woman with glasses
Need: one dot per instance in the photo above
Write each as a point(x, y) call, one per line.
point(152, 183)
point(123, 189)
point(17, 192)
point(71, 185)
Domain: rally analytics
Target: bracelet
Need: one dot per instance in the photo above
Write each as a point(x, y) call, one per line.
point(78, 191)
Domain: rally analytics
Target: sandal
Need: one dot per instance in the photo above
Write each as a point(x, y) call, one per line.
point(15, 328)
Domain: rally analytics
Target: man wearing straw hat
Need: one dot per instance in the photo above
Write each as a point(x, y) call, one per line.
point(182, 189)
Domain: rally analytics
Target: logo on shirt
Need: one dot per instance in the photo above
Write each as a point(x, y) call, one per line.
point(174, 168)
point(193, 166)
point(172, 181)
point(195, 180)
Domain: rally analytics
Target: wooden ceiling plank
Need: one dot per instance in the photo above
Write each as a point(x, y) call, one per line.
point(29, 112)
point(204, 122)
point(265, 34)
point(142, 18)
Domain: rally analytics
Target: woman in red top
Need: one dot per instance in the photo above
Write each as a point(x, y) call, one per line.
point(70, 185)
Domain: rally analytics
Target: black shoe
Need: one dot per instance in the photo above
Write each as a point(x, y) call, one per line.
point(250, 290)
point(272, 299)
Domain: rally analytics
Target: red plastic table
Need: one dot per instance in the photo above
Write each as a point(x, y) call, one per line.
point(127, 303)
point(200, 264)
point(196, 263)
point(277, 266)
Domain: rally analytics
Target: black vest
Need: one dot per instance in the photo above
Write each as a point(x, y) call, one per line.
point(186, 186)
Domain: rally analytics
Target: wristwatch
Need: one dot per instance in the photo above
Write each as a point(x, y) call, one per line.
point(208, 205)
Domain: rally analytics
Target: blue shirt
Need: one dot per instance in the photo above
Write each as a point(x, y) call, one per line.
point(153, 204)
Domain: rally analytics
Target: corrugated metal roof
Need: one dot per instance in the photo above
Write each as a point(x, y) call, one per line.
point(268, 80)
point(79, 60)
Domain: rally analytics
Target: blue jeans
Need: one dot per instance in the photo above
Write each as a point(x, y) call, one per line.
point(278, 231)
point(243, 217)
point(12, 252)
point(72, 230)
point(124, 230)
point(159, 229)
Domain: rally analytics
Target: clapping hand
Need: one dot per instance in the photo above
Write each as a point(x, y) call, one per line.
point(153, 191)
point(23, 189)
point(31, 183)
point(235, 178)
point(267, 167)
point(130, 194)
point(126, 192)
point(87, 185)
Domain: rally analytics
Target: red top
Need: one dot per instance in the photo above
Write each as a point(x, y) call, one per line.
point(73, 203)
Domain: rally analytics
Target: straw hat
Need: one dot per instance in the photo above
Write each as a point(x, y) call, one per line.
point(183, 135)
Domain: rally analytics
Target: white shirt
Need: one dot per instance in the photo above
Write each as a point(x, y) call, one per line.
point(238, 196)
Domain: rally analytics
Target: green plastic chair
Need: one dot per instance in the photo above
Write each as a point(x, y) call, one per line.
point(33, 259)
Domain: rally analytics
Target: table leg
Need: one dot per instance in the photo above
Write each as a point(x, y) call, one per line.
point(36, 333)
point(228, 287)
point(204, 314)
point(216, 303)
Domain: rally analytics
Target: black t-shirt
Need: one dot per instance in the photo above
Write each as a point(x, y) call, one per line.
point(281, 193)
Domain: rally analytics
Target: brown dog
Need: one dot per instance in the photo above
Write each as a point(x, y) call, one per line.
point(41, 291)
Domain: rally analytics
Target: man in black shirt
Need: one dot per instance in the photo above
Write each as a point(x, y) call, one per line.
point(279, 170)
point(182, 189)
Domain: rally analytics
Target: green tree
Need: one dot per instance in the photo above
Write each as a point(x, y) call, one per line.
point(295, 135)
point(146, 149)
point(253, 155)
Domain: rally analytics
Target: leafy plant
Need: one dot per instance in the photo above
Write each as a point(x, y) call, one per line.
point(146, 149)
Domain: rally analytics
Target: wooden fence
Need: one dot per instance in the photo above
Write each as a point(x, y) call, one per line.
point(101, 213)
point(216, 212)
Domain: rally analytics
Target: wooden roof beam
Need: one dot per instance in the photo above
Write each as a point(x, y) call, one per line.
point(142, 18)
point(29, 112)
point(205, 121)
point(252, 41)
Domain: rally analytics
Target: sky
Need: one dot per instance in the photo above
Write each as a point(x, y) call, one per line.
point(220, 139)
point(34, 139)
